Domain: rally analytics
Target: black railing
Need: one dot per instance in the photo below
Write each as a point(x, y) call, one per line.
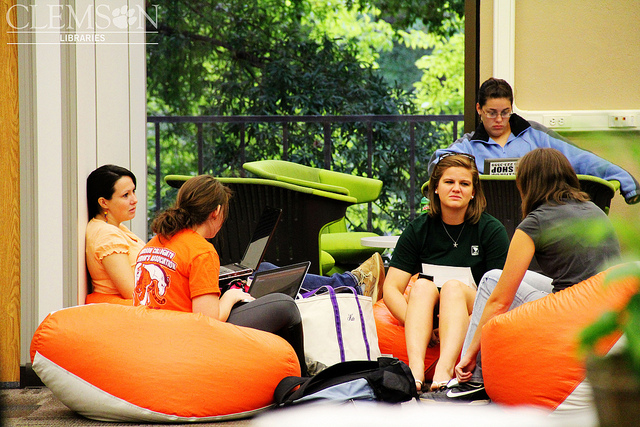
point(241, 123)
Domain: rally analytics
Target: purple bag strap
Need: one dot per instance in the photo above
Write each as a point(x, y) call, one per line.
point(336, 316)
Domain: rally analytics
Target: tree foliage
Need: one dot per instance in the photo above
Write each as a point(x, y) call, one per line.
point(301, 57)
point(256, 57)
point(433, 14)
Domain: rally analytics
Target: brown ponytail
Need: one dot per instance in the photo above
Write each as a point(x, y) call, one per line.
point(197, 199)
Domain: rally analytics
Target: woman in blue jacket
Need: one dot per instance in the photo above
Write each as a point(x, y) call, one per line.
point(503, 133)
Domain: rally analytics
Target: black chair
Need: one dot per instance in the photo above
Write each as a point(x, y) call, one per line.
point(504, 202)
point(305, 212)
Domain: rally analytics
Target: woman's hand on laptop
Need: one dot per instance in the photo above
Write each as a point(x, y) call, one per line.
point(233, 296)
point(229, 300)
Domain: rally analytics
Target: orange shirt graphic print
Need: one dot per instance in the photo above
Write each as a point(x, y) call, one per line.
point(152, 283)
point(151, 279)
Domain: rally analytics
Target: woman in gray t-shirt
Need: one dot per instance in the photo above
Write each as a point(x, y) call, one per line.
point(571, 238)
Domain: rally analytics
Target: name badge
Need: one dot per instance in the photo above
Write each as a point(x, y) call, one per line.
point(503, 168)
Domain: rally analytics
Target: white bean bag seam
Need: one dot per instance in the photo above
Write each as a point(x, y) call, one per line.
point(92, 402)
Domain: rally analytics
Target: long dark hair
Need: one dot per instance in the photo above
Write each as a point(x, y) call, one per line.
point(544, 175)
point(197, 199)
point(450, 160)
point(101, 183)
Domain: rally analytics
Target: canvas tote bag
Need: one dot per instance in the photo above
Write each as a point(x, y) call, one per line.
point(338, 326)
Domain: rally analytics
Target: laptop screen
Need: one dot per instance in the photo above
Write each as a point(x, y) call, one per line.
point(261, 237)
point(285, 280)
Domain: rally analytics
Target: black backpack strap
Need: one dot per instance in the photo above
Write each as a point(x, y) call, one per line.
point(285, 388)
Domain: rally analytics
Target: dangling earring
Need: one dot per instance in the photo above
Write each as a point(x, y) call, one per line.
point(105, 216)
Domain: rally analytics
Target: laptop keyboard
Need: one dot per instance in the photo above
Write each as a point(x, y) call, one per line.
point(224, 270)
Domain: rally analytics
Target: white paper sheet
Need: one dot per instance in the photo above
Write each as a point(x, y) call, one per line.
point(443, 273)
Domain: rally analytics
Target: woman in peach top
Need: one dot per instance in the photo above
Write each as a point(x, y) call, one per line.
point(111, 248)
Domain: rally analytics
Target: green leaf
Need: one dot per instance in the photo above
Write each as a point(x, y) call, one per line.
point(623, 271)
point(605, 325)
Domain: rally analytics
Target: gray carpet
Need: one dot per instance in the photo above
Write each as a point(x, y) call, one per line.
point(36, 406)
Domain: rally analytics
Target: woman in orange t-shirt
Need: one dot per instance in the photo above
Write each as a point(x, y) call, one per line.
point(178, 269)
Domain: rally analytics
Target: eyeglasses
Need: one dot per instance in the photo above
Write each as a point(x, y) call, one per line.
point(453, 153)
point(495, 114)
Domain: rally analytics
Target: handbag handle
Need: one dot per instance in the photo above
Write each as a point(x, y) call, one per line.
point(336, 315)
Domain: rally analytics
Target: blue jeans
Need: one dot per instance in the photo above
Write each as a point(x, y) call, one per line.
point(533, 286)
point(313, 281)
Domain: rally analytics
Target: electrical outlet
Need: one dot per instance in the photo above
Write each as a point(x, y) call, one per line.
point(556, 121)
point(622, 121)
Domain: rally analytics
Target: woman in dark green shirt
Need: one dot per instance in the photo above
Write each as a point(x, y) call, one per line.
point(458, 233)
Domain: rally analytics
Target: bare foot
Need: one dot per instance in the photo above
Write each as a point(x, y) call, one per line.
point(440, 378)
point(437, 385)
point(418, 376)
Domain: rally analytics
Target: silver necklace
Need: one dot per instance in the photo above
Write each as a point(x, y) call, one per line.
point(455, 242)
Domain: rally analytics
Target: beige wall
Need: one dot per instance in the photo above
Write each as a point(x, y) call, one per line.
point(570, 54)
point(575, 55)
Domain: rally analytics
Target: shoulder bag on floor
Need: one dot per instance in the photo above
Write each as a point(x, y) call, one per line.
point(338, 326)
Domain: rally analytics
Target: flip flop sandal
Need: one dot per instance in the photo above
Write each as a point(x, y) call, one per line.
point(438, 386)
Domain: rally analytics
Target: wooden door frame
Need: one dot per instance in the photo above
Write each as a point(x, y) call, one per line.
point(9, 203)
point(471, 62)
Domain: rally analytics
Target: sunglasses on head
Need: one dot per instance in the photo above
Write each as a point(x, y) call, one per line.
point(452, 153)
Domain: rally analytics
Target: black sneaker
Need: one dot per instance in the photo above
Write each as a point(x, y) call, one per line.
point(469, 393)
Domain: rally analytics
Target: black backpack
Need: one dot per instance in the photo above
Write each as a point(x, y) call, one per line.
point(387, 380)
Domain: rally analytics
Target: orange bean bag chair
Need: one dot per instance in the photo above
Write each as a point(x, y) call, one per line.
point(96, 297)
point(391, 339)
point(530, 355)
point(134, 364)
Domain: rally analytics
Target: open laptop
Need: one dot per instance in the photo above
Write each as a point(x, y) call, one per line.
point(501, 166)
point(257, 247)
point(285, 280)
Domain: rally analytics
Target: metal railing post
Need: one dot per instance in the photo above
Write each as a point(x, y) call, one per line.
point(200, 139)
point(369, 172)
point(285, 141)
point(412, 168)
point(157, 155)
point(327, 149)
point(243, 156)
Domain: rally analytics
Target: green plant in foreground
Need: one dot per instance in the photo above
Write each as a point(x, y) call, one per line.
point(626, 319)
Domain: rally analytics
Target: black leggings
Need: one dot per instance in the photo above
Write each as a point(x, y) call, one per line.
point(275, 313)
